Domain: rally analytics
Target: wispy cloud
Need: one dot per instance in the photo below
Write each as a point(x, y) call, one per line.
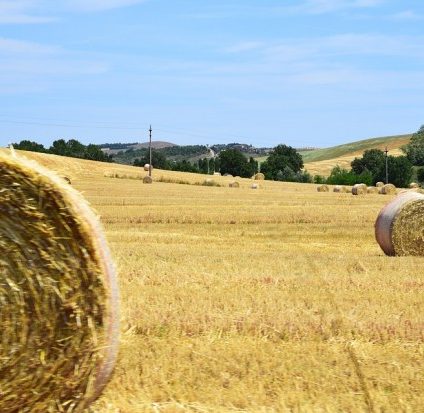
point(336, 46)
point(43, 11)
point(18, 47)
point(302, 7)
point(407, 15)
point(36, 67)
point(21, 12)
point(99, 5)
point(329, 6)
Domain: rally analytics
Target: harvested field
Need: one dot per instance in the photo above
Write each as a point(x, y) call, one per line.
point(273, 300)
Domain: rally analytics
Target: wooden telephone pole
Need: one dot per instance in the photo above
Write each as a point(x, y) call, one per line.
point(387, 166)
point(150, 151)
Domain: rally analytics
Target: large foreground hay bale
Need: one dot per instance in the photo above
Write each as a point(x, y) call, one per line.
point(388, 189)
point(359, 189)
point(147, 179)
point(58, 295)
point(399, 228)
point(259, 177)
point(323, 188)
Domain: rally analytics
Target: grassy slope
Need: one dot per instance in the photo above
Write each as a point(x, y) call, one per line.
point(354, 148)
point(273, 300)
point(322, 161)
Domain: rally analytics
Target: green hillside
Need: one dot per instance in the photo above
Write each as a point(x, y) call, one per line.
point(392, 142)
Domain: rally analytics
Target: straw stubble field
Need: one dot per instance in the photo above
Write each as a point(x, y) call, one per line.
point(268, 300)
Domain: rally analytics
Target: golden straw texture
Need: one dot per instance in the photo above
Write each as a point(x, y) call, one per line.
point(323, 188)
point(58, 295)
point(388, 189)
point(359, 189)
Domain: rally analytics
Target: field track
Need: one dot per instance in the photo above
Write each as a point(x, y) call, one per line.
point(239, 300)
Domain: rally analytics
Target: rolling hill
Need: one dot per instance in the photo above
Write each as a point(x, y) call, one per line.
point(322, 161)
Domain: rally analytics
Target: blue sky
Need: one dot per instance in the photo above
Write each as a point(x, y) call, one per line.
point(304, 73)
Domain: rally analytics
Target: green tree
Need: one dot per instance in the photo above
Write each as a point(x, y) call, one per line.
point(415, 148)
point(281, 157)
point(341, 176)
point(202, 165)
point(400, 171)
point(159, 160)
point(75, 148)
point(94, 153)
point(184, 166)
point(371, 161)
point(233, 162)
point(420, 175)
point(59, 147)
point(27, 145)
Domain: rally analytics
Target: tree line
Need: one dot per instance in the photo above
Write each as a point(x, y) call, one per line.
point(71, 148)
point(284, 163)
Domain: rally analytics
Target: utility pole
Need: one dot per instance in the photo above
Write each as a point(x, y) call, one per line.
point(150, 151)
point(387, 166)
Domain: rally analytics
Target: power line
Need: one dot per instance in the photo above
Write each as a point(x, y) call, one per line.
point(71, 126)
point(101, 125)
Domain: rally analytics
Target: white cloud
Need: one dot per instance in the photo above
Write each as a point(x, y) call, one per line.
point(328, 6)
point(43, 11)
point(407, 15)
point(99, 5)
point(337, 46)
point(21, 12)
point(244, 47)
point(35, 67)
point(18, 47)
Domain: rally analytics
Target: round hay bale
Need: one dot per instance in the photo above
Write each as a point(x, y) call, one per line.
point(341, 189)
point(359, 189)
point(254, 186)
point(379, 184)
point(399, 226)
point(259, 177)
point(59, 316)
point(372, 190)
point(147, 179)
point(209, 182)
point(234, 184)
point(323, 188)
point(217, 173)
point(388, 189)
point(413, 185)
point(147, 167)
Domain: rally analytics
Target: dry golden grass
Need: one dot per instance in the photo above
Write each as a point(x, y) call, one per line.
point(324, 167)
point(274, 300)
